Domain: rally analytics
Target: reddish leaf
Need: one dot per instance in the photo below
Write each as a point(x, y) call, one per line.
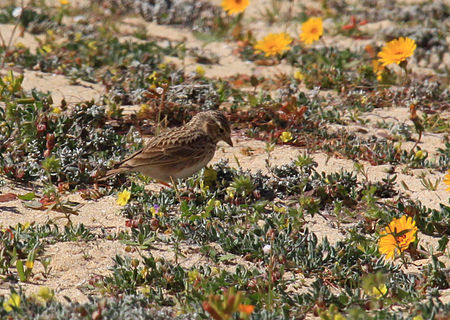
point(351, 25)
point(7, 197)
point(210, 309)
point(46, 201)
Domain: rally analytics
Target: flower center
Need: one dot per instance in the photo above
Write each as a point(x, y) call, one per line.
point(238, 1)
point(401, 240)
point(314, 30)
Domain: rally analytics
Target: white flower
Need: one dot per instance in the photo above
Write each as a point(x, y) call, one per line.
point(267, 248)
point(159, 90)
point(79, 19)
point(16, 12)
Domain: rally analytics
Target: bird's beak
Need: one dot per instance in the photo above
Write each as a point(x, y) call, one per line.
point(228, 140)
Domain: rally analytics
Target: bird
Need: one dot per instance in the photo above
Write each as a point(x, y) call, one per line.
point(178, 153)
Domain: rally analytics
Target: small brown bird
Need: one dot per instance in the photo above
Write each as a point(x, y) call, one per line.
point(178, 153)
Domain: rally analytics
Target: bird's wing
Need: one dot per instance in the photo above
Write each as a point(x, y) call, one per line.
point(170, 149)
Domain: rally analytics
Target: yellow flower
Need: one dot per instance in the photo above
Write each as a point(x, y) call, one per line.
point(144, 109)
point(193, 275)
point(235, 6)
point(200, 71)
point(231, 191)
point(153, 76)
point(279, 209)
point(63, 2)
point(47, 48)
point(312, 29)
point(364, 99)
point(45, 294)
point(144, 272)
point(380, 291)
point(56, 110)
point(12, 302)
point(378, 69)
point(273, 44)
point(397, 236)
point(78, 36)
point(19, 45)
point(286, 136)
point(214, 271)
point(447, 180)
point(299, 76)
point(397, 51)
point(123, 197)
point(92, 45)
point(419, 155)
point(213, 202)
point(25, 226)
point(29, 264)
point(145, 290)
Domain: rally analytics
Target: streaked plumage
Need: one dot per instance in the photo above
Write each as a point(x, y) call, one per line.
point(179, 152)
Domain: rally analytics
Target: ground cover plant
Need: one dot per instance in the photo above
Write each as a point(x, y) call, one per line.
point(332, 204)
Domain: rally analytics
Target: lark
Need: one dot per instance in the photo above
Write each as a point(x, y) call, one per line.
point(178, 153)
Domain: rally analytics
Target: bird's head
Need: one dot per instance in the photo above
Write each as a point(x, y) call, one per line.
point(215, 124)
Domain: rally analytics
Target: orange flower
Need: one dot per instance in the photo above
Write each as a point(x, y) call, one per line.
point(397, 51)
point(246, 308)
point(235, 6)
point(447, 180)
point(273, 44)
point(312, 29)
point(397, 236)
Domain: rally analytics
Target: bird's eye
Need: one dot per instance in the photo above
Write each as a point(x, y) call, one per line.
point(221, 128)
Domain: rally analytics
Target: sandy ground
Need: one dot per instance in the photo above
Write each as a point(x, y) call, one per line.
point(74, 264)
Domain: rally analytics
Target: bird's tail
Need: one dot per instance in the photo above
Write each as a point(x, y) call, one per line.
point(122, 166)
point(113, 172)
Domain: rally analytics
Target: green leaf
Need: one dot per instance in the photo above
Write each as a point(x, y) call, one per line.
point(185, 209)
point(129, 242)
point(20, 271)
point(26, 101)
point(227, 257)
point(443, 243)
point(252, 100)
point(28, 196)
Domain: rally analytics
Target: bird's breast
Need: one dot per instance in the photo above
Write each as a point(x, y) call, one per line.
point(192, 166)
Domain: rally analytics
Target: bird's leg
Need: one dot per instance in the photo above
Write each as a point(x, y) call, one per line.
point(176, 189)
